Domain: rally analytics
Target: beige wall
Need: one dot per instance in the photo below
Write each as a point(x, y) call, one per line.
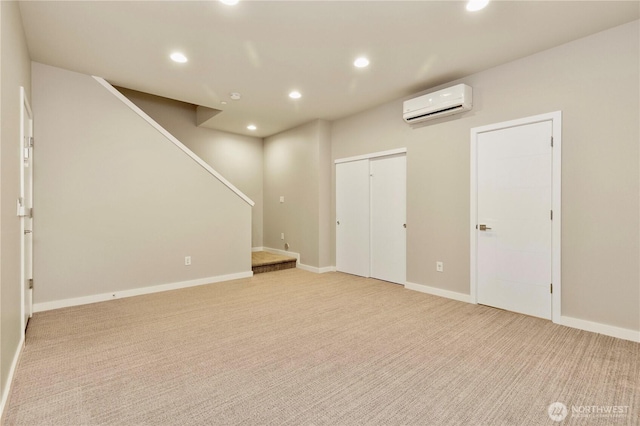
point(595, 83)
point(118, 205)
point(324, 195)
point(237, 158)
point(296, 166)
point(14, 72)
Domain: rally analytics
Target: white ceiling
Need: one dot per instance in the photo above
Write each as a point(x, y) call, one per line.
point(265, 49)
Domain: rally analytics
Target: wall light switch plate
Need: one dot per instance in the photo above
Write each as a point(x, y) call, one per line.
point(439, 267)
point(282, 236)
point(187, 260)
point(282, 198)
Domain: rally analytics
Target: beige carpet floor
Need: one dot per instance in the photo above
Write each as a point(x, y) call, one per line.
point(296, 348)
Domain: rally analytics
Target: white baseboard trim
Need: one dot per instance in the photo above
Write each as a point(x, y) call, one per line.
point(438, 292)
point(596, 327)
point(76, 301)
point(257, 249)
point(14, 364)
point(316, 270)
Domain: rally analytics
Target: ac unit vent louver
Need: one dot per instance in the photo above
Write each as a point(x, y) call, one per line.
point(453, 100)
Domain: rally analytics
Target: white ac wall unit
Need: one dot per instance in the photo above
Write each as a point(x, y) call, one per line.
point(452, 100)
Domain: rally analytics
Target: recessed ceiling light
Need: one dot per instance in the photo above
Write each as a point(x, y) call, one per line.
point(178, 57)
point(235, 96)
point(295, 95)
point(229, 2)
point(361, 62)
point(475, 5)
point(251, 127)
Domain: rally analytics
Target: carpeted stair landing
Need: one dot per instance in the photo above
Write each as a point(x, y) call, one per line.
point(262, 261)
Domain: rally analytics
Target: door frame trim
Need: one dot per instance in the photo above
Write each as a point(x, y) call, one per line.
point(24, 104)
point(556, 187)
point(372, 155)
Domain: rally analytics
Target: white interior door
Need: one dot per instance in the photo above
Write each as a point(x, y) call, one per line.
point(514, 232)
point(25, 206)
point(388, 218)
point(352, 217)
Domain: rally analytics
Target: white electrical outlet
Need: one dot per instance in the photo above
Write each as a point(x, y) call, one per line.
point(282, 236)
point(439, 267)
point(187, 260)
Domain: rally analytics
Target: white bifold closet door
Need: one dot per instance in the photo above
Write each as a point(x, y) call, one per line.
point(352, 217)
point(371, 218)
point(388, 178)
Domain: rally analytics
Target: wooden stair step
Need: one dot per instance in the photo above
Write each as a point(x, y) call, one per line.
point(262, 261)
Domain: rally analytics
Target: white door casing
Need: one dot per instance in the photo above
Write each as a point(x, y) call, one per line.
point(25, 206)
point(515, 187)
point(388, 176)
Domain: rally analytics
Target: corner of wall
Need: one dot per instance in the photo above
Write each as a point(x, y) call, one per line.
point(324, 194)
point(15, 72)
point(291, 170)
point(145, 204)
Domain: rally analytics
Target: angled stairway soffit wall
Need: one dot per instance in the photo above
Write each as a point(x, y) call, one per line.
point(172, 139)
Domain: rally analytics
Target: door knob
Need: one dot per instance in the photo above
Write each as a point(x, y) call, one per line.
point(27, 231)
point(404, 225)
point(483, 227)
point(338, 222)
